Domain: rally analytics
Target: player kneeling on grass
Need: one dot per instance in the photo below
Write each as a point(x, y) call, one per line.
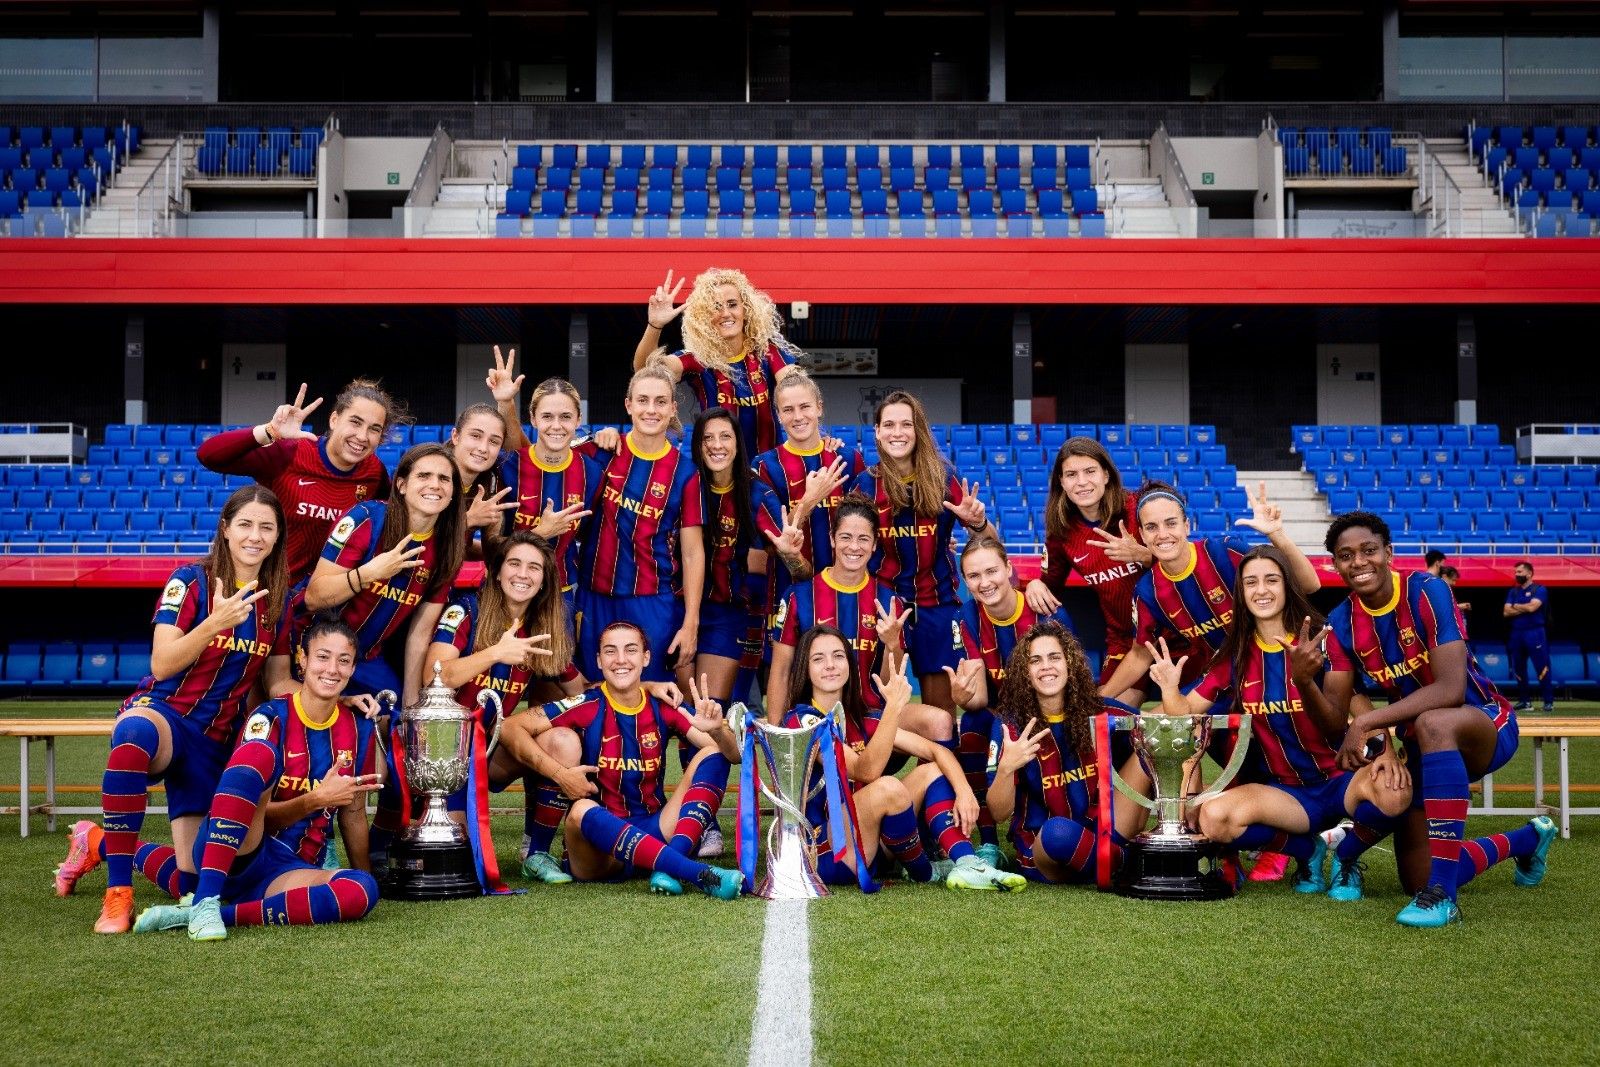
point(1295, 788)
point(303, 760)
point(618, 732)
point(1043, 772)
point(825, 673)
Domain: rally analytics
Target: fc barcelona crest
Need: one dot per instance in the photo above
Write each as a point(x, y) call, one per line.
point(658, 490)
point(1217, 595)
point(361, 492)
point(1408, 636)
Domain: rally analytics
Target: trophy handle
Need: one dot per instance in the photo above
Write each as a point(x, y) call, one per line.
point(1128, 722)
point(485, 698)
point(1235, 762)
point(388, 698)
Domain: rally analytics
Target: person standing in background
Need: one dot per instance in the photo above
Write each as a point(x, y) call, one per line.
point(1433, 563)
point(1451, 576)
point(1526, 608)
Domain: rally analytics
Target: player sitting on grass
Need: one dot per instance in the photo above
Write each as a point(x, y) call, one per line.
point(618, 732)
point(303, 760)
point(1403, 635)
point(1294, 788)
point(1043, 772)
point(825, 671)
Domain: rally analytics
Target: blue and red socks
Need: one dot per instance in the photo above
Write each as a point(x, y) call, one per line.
point(548, 806)
point(233, 809)
point(159, 864)
point(973, 752)
point(348, 896)
point(124, 793)
point(903, 838)
point(1444, 803)
point(1481, 853)
point(632, 845)
point(1259, 837)
point(701, 798)
point(1072, 845)
point(938, 809)
point(1369, 825)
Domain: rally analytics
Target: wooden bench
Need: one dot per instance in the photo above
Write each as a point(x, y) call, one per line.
point(1539, 730)
point(28, 731)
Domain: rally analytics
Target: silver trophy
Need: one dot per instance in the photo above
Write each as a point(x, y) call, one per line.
point(432, 859)
point(787, 757)
point(1164, 862)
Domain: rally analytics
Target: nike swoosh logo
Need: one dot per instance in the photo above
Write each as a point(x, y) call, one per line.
point(617, 477)
point(1080, 559)
point(305, 481)
point(1364, 652)
point(294, 755)
point(1253, 681)
point(607, 740)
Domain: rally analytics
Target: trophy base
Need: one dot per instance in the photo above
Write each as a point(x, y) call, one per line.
point(426, 870)
point(1169, 868)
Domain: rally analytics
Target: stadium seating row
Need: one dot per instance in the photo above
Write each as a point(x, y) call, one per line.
point(1330, 161)
point(1412, 456)
point(112, 477)
point(801, 203)
point(249, 151)
point(1345, 138)
point(796, 178)
point(136, 498)
point(84, 521)
point(1458, 521)
point(1483, 137)
point(1546, 475)
point(125, 138)
point(833, 156)
point(1443, 499)
point(1393, 435)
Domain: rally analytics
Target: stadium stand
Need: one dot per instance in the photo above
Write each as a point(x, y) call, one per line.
point(51, 177)
point(1548, 174)
point(276, 152)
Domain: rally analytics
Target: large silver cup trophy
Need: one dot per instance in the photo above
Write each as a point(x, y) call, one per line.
point(787, 757)
point(1165, 862)
point(432, 859)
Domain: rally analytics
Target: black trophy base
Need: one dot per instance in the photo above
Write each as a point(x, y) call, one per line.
point(430, 871)
point(1158, 868)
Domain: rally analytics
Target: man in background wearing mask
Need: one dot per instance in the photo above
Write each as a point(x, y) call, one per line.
point(1525, 607)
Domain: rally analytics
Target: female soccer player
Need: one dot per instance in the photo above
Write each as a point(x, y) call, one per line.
point(1188, 595)
point(513, 636)
point(734, 349)
point(391, 563)
point(618, 733)
point(1294, 788)
point(919, 499)
point(317, 479)
point(216, 624)
point(1402, 634)
point(1091, 527)
point(554, 482)
point(825, 673)
point(303, 761)
point(645, 538)
point(477, 444)
point(1043, 772)
point(991, 622)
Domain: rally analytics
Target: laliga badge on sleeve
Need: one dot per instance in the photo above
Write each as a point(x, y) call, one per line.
point(341, 533)
point(258, 727)
point(172, 596)
point(452, 617)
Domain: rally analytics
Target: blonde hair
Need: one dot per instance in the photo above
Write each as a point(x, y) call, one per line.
point(763, 326)
point(554, 387)
point(798, 378)
point(655, 368)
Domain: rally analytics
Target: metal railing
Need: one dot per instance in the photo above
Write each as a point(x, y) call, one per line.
point(424, 191)
point(1441, 195)
point(153, 205)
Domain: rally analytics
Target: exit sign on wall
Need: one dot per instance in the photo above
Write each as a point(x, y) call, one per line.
point(394, 177)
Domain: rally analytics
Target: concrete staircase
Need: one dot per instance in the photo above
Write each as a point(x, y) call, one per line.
point(115, 215)
point(1138, 208)
point(1305, 509)
point(1482, 213)
point(459, 210)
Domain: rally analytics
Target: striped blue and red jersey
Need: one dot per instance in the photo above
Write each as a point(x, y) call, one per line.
point(780, 482)
point(644, 499)
point(821, 600)
point(914, 553)
point(1389, 647)
point(313, 492)
point(575, 481)
point(856, 736)
point(626, 745)
point(307, 752)
point(992, 640)
point(747, 389)
point(1191, 609)
point(382, 606)
point(212, 690)
point(458, 626)
point(1060, 781)
point(1285, 740)
point(1113, 581)
point(727, 548)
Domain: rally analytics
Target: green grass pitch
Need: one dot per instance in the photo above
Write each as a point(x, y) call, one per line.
point(610, 974)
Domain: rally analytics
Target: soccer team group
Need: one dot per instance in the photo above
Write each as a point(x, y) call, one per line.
point(633, 589)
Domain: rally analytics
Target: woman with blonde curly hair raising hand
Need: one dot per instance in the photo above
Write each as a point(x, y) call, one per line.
point(734, 350)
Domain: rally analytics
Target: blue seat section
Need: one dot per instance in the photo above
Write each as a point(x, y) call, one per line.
point(1450, 486)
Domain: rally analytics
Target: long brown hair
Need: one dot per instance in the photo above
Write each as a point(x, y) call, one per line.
point(1242, 634)
point(745, 531)
point(1019, 701)
point(489, 481)
point(930, 474)
point(1060, 513)
point(452, 543)
point(855, 704)
point(546, 613)
point(274, 575)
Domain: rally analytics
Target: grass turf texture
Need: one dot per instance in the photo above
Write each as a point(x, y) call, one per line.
point(584, 974)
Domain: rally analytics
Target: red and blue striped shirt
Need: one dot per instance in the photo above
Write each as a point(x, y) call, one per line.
point(780, 482)
point(576, 481)
point(458, 626)
point(727, 549)
point(627, 746)
point(1193, 608)
point(992, 640)
point(1285, 740)
point(307, 752)
point(1059, 782)
point(213, 689)
point(382, 606)
point(852, 609)
point(914, 553)
point(1390, 647)
point(748, 389)
point(630, 546)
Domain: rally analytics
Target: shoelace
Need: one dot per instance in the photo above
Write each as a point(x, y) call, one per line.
point(1351, 872)
point(1432, 896)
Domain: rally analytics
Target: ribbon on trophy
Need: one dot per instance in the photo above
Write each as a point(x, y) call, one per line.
point(1106, 820)
point(484, 863)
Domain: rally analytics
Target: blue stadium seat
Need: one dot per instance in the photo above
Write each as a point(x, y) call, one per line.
point(133, 663)
point(869, 178)
point(97, 665)
point(763, 179)
point(763, 155)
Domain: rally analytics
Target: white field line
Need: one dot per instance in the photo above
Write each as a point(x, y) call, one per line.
point(780, 1035)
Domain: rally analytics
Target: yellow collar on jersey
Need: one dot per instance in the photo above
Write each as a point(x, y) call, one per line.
point(791, 449)
point(1015, 615)
point(310, 724)
point(1394, 598)
point(827, 576)
point(621, 708)
point(1194, 557)
point(666, 446)
point(533, 457)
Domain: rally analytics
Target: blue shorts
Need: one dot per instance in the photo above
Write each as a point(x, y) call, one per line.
point(272, 859)
point(1030, 870)
point(933, 637)
point(1323, 804)
point(723, 629)
point(1505, 746)
point(197, 761)
point(659, 616)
